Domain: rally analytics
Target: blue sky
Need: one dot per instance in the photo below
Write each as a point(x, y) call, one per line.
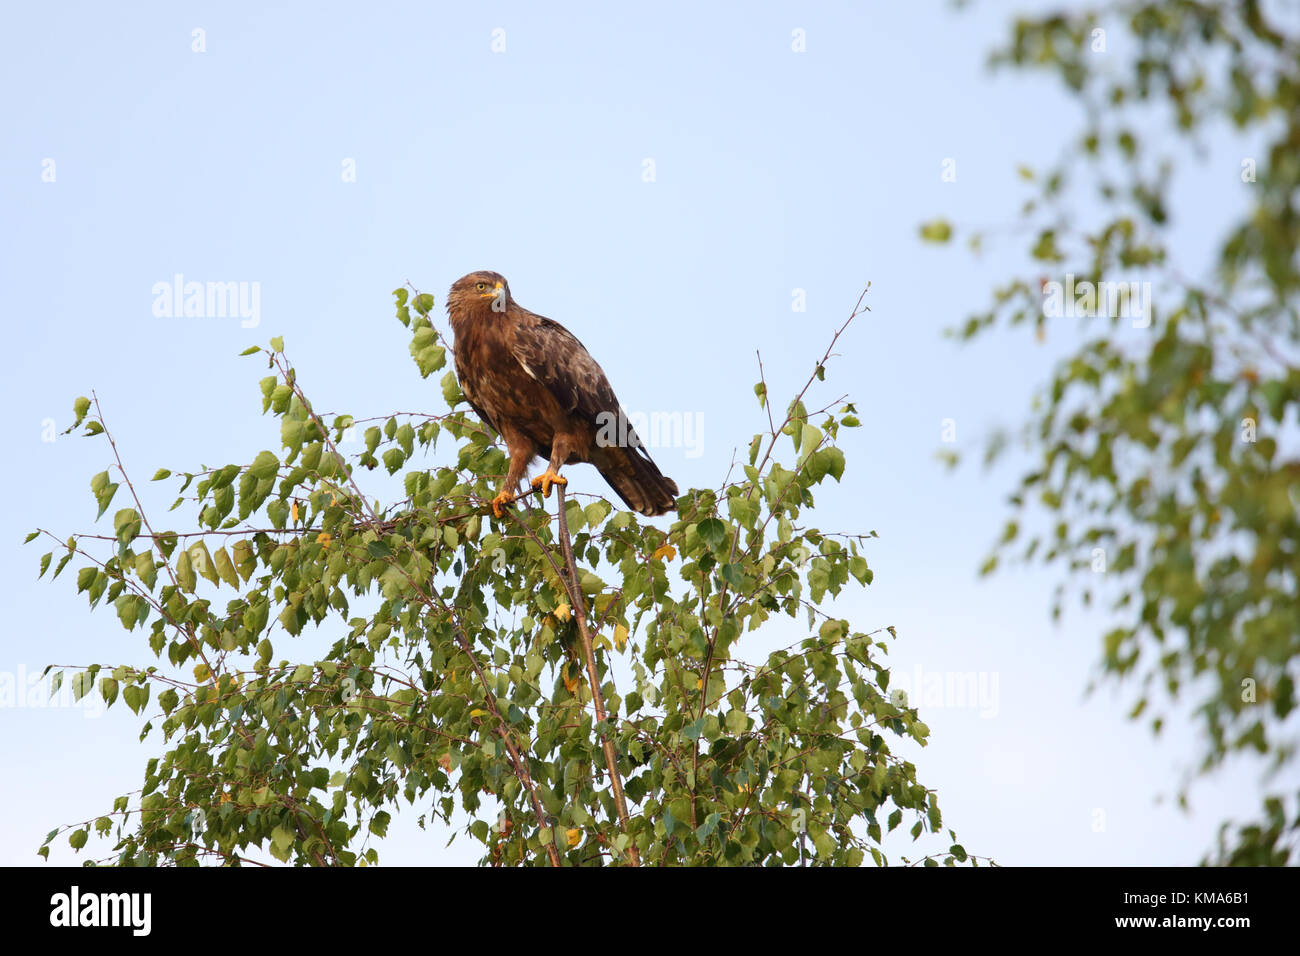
point(774, 170)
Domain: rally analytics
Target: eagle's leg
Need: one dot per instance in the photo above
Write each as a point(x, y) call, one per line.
point(502, 499)
point(519, 459)
point(560, 448)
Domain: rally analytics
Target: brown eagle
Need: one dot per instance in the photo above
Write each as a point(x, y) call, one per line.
point(532, 381)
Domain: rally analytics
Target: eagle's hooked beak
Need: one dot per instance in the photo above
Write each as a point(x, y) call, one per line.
point(494, 293)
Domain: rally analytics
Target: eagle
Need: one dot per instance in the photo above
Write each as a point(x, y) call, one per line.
point(530, 379)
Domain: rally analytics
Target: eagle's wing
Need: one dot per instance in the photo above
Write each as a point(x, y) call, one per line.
point(553, 356)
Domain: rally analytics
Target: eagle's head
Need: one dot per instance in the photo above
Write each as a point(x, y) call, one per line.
point(478, 290)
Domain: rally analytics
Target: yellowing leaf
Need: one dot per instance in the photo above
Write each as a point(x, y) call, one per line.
point(225, 567)
point(665, 552)
point(185, 571)
point(201, 561)
point(293, 512)
point(324, 539)
point(563, 612)
point(620, 636)
point(575, 837)
point(201, 672)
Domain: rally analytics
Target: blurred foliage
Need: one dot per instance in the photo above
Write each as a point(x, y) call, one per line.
point(455, 681)
point(1170, 467)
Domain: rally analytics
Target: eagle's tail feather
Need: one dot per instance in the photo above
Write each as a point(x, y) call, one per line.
point(636, 479)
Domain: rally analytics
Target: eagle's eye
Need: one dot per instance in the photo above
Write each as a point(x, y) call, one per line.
point(480, 286)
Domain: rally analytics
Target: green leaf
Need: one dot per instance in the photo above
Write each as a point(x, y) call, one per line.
point(743, 511)
point(596, 512)
point(712, 532)
point(244, 560)
point(429, 355)
point(289, 619)
point(126, 526)
point(128, 609)
point(136, 696)
point(732, 575)
point(291, 435)
point(937, 230)
point(85, 578)
point(185, 572)
point(405, 438)
point(826, 461)
point(282, 839)
point(103, 490)
point(265, 465)
point(451, 392)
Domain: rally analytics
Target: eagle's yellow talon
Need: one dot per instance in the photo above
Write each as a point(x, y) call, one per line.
point(504, 498)
point(546, 480)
